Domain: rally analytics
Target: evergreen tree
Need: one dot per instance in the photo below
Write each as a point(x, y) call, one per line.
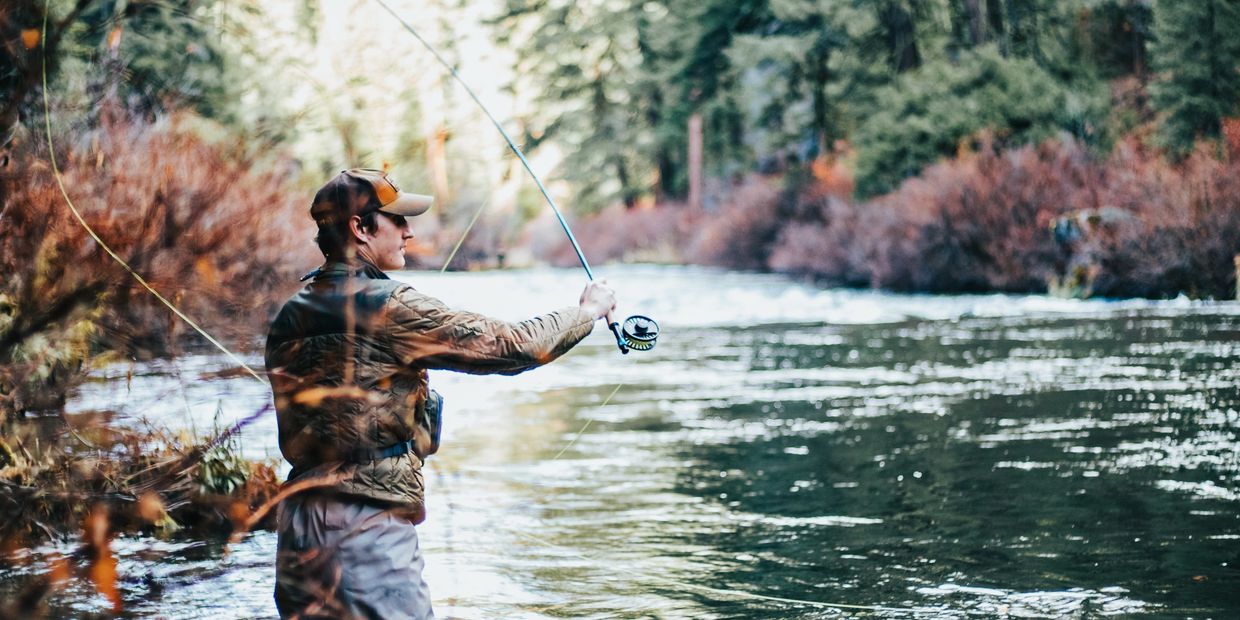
point(1196, 51)
point(781, 81)
point(165, 54)
point(694, 61)
point(796, 71)
point(928, 113)
point(22, 46)
point(586, 62)
point(898, 32)
point(1112, 35)
point(145, 55)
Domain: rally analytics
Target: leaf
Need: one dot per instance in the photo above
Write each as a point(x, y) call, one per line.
point(114, 38)
point(103, 564)
point(313, 397)
point(151, 508)
point(205, 268)
point(239, 513)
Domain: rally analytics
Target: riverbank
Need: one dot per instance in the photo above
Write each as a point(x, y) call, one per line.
point(223, 245)
point(1053, 218)
point(90, 481)
point(53, 473)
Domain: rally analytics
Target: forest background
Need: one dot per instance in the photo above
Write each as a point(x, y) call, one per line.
point(1077, 147)
point(1084, 148)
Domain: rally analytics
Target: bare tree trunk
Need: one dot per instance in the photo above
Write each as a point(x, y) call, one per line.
point(901, 37)
point(627, 194)
point(820, 73)
point(695, 161)
point(437, 159)
point(1139, 25)
point(996, 28)
point(975, 21)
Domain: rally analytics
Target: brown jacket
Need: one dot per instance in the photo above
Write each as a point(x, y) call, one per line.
point(348, 356)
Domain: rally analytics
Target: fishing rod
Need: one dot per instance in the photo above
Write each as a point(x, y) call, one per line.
point(638, 333)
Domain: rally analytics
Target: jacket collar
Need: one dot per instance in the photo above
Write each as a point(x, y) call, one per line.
point(341, 269)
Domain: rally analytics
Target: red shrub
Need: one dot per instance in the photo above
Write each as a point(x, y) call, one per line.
point(741, 234)
point(826, 241)
point(1185, 230)
point(1023, 220)
point(654, 233)
point(1017, 221)
point(221, 235)
point(980, 222)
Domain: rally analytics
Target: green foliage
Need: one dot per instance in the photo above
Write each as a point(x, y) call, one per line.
point(159, 55)
point(1197, 53)
point(144, 56)
point(699, 77)
point(28, 29)
point(795, 73)
point(932, 112)
point(222, 470)
point(592, 95)
point(618, 82)
point(1112, 36)
point(782, 82)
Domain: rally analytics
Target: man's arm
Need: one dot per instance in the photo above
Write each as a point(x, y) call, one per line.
point(428, 334)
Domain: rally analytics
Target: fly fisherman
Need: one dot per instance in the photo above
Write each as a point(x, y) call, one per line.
point(348, 357)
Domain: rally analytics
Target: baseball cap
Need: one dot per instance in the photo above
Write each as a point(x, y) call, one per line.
point(352, 192)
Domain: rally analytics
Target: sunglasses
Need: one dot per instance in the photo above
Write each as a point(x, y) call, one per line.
point(400, 220)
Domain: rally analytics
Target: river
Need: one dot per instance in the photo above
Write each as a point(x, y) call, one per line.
point(784, 448)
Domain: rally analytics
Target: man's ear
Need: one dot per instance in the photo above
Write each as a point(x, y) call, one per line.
point(355, 228)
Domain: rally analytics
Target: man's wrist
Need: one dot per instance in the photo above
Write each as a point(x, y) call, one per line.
point(590, 309)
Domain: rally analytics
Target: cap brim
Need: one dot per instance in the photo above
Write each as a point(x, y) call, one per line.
point(408, 205)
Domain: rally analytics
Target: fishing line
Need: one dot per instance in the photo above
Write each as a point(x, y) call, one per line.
point(587, 425)
point(644, 332)
point(81, 220)
point(512, 145)
point(649, 329)
point(459, 243)
point(51, 150)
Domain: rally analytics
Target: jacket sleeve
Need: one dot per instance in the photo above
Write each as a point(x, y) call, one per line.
point(427, 334)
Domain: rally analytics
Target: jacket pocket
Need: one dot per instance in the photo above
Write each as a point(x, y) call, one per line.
point(431, 420)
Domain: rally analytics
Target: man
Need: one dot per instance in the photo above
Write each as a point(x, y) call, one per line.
point(348, 359)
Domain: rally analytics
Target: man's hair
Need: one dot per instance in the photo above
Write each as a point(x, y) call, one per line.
point(334, 238)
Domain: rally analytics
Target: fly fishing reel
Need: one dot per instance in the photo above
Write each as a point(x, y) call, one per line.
point(638, 333)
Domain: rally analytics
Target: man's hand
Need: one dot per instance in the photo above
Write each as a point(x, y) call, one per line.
point(598, 300)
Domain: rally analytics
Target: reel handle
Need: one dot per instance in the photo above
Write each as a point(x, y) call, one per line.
point(620, 341)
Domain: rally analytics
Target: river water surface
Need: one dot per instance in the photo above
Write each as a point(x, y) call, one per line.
point(783, 448)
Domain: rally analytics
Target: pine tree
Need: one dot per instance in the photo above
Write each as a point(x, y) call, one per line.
point(154, 55)
point(928, 114)
point(796, 69)
point(585, 59)
point(694, 62)
point(22, 45)
point(1197, 53)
